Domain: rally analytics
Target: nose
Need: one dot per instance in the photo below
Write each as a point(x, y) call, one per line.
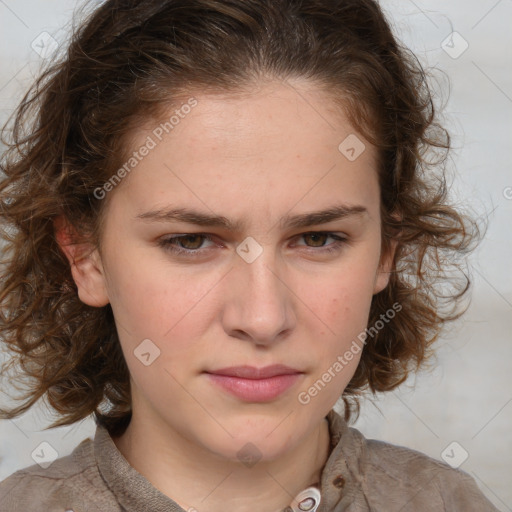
point(259, 303)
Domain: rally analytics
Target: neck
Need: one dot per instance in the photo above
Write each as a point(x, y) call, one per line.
point(170, 463)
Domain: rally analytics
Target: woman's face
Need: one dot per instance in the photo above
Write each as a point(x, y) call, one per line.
point(251, 286)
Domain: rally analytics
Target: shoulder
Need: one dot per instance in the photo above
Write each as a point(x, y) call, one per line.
point(407, 479)
point(408, 465)
point(72, 482)
point(421, 481)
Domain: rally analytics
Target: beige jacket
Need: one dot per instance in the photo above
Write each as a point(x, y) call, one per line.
point(360, 475)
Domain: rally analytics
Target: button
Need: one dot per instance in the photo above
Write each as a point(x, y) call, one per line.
point(307, 500)
point(307, 504)
point(339, 482)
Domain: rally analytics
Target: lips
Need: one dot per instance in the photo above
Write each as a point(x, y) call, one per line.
point(250, 372)
point(251, 384)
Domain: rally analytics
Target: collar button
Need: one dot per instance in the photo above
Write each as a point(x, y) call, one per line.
point(307, 504)
point(339, 482)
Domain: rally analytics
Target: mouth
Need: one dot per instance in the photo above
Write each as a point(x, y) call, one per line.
point(252, 384)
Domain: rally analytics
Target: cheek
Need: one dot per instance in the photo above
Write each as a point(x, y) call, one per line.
point(346, 302)
point(170, 309)
point(159, 321)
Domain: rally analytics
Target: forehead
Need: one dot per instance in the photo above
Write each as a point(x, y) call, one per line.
point(295, 115)
point(279, 143)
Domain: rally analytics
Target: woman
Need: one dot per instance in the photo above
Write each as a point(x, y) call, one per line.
point(289, 141)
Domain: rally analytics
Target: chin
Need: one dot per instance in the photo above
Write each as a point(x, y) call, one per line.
point(254, 438)
point(248, 450)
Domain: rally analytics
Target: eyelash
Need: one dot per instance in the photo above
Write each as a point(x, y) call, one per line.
point(169, 244)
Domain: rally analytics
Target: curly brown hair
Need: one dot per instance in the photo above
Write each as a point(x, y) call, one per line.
point(129, 61)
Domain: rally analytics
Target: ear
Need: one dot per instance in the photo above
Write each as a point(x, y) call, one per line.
point(86, 266)
point(385, 266)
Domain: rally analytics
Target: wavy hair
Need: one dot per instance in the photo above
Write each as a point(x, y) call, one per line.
point(129, 61)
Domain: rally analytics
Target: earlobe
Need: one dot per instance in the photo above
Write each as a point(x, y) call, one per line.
point(85, 262)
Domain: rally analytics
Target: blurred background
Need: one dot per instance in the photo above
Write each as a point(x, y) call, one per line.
point(459, 411)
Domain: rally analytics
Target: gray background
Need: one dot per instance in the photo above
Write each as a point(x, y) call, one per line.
point(467, 395)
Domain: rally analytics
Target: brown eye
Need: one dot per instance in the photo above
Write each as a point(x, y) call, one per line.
point(316, 238)
point(191, 242)
point(190, 245)
point(185, 245)
point(316, 241)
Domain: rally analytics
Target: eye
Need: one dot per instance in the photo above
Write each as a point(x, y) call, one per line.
point(189, 245)
point(317, 237)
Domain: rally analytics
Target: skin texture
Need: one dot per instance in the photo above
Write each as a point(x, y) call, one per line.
point(255, 157)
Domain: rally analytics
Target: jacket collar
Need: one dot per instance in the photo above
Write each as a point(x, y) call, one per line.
point(340, 483)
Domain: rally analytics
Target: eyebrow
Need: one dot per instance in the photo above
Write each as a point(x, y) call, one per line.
point(302, 220)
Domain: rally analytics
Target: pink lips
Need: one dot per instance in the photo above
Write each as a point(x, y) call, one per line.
point(255, 384)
